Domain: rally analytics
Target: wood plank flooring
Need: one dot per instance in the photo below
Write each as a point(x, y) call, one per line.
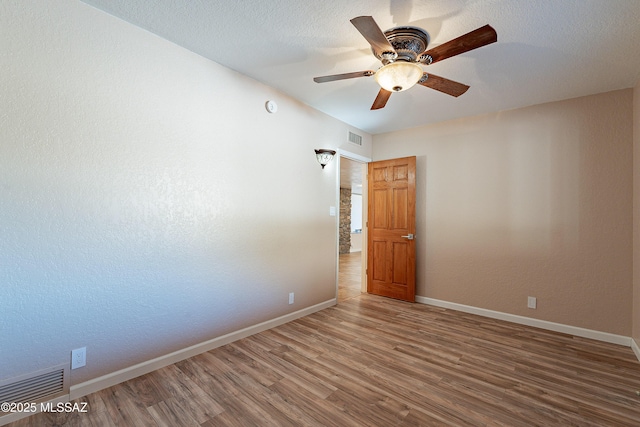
point(372, 361)
point(349, 276)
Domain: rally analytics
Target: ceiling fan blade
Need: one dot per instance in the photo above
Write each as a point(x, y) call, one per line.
point(381, 99)
point(444, 85)
point(473, 40)
point(374, 35)
point(344, 76)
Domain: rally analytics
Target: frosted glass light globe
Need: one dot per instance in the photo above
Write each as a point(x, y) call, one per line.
point(398, 76)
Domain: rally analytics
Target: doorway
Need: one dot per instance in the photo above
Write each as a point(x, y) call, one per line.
point(351, 227)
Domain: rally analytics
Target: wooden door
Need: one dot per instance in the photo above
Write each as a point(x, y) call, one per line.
point(391, 228)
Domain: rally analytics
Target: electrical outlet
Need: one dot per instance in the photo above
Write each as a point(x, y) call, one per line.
point(291, 297)
point(531, 302)
point(78, 357)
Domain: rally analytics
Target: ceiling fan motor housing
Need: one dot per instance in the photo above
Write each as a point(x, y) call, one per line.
point(408, 42)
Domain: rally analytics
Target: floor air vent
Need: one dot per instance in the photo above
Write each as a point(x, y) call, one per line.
point(35, 387)
point(355, 138)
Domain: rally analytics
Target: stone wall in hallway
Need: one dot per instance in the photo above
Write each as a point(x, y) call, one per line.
point(345, 220)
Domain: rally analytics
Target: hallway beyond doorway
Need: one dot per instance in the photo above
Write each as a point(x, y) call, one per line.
point(349, 276)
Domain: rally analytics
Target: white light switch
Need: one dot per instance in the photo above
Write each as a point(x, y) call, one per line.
point(332, 210)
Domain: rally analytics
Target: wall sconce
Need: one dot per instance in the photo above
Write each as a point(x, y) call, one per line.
point(324, 156)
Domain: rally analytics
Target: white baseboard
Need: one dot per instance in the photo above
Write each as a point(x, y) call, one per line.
point(131, 372)
point(528, 321)
point(635, 348)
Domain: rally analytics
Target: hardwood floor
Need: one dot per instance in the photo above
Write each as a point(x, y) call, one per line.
point(349, 276)
point(372, 361)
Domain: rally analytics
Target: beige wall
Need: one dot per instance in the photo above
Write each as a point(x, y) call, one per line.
point(529, 202)
point(636, 213)
point(148, 200)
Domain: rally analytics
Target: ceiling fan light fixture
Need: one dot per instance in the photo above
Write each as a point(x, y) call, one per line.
point(398, 76)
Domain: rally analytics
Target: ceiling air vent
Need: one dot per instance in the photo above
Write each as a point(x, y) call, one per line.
point(39, 386)
point(355, 139)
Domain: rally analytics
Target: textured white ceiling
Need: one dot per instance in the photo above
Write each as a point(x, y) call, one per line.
point(547, 50)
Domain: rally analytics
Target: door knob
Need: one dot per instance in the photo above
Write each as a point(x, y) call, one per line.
point(408, 236)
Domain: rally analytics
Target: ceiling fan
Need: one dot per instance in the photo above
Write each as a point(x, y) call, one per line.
point(402, 49)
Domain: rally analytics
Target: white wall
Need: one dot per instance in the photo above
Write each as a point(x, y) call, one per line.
point(529, 202)
point(148, 200)
point(356, 212)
